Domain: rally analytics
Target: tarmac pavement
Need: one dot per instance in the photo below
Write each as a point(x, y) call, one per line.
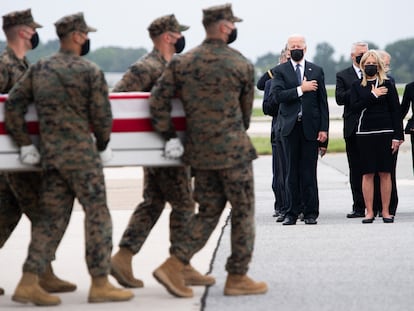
point(339, 264)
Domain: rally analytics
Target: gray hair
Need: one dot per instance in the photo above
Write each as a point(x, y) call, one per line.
point(359, 43)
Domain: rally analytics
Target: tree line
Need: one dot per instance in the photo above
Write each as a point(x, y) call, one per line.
point(116, 59)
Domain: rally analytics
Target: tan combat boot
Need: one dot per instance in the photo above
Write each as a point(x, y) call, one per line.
point(103, 291)
point(29, 290)
point(237, 284)
point(52, 284)
point(195, 278)
point(170, 274)
point(121, 269)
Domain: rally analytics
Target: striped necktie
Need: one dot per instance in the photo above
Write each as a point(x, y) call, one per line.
point(298, 74)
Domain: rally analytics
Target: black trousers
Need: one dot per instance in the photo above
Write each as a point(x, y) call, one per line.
point(355, 175)
point(279, 174)
point(301, 180)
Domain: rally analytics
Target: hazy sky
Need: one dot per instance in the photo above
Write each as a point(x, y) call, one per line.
point(265, 28)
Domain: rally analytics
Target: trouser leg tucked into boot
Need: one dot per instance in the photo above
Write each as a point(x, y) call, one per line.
point(29, 290)
point(195, 278)
point(121, 269)
point(52, 284)
point(237, 284)
point(103, 291)
point(170, 274)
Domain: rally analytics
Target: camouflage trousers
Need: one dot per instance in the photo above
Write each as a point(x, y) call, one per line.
point(19, 193)
point(59, 189)
point(161, 185)
point(213, 188)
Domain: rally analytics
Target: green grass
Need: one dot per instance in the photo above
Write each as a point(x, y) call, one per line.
point(330, 92)
point(263, 146)
point(257, 112)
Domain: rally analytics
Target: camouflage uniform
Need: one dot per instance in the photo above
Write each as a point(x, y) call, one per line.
point(19, 192)
point(71, 97)
point(161, 184)
point(216, 86)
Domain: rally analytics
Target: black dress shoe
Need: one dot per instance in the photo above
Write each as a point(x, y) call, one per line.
point(281, 218)
point(368, 220)
point(310, 221)
point(289, 221)
point(276, 214)
point(388, 220)
point(355, 215)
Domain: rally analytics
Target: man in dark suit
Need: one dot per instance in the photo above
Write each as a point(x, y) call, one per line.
point(299, 88)
point(386, 58)
point(344, 80)
point(271, 108)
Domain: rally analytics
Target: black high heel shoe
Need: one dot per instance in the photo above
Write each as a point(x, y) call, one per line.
point(368, 220)
point(388, 220)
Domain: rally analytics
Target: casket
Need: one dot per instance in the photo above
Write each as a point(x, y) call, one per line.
point(133, 140)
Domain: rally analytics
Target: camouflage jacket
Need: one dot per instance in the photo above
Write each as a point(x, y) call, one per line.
point(71, 98)
point(11, 69)
point(216, 86)
point(143, 74)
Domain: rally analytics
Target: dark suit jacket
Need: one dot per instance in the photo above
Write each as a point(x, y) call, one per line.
point(344, 80)
point(408, 98)
point(315, 112)
point(271, 107)
point(261, 83)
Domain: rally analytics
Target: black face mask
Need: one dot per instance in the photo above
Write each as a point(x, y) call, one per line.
point(85, 47)
point(179, 45)
point(232, 36)
point(358, 59)
point(371, 70)
point(296, 54)
point(34, 40)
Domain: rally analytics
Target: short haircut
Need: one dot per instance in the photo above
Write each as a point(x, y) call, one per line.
point(359, 43)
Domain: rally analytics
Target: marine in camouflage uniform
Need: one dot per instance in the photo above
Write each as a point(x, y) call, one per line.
point(216, 86)
point(71, 97)
point(20, 192)
point(161, 184)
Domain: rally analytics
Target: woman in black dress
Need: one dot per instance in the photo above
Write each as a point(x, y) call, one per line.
point(379, 132)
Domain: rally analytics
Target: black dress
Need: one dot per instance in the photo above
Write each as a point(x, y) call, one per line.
point(379, 123)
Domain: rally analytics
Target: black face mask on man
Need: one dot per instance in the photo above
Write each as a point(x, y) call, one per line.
point(179, 45)
point(232, 36)
point(296, 54)
point(358, 59)
point(371, 70)
point(34, 40)
point(85, 47)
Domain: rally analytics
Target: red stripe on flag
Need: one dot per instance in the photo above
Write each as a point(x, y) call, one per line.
point(142, 125)
point(32, 126)
point(118, 126)
point(132, 95)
